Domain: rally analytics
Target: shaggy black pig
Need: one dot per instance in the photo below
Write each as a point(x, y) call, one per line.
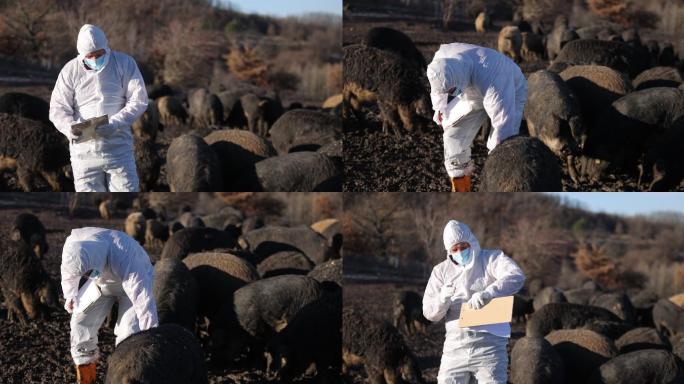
point(304, 130)
point(167, 354)
point(30, 230)
point(298, 172)
point(521, 164)
point(568, 316)
point(266, 241)
point(176, 293)
point(192, 166)
point(377, 346)
point(28, 290)
point(375, 76)
point(192, 240)
point(408, 312)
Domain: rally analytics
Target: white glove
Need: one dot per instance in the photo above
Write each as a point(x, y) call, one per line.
point(479, 300)
point(70, 305)
point(106, 130)
point(446, 293)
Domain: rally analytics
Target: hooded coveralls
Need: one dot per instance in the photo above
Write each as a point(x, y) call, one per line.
point(106, 163)
point(125, 275)
point(480, 351)
point(486, 83)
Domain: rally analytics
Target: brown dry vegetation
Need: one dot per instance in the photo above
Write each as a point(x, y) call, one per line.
point(180, 42)
point(552, 240)
point(39, 351)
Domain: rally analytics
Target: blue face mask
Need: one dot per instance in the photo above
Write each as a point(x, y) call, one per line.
point(462, 257)
point(95, 64)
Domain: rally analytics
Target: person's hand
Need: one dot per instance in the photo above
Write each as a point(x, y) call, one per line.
point(479, 300)
point(439, 117)
point(459, 296)
point(70, 305)
point(74, 134)
point(106, 130)
point(446, 293)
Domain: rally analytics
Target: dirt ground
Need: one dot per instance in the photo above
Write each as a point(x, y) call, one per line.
point(8, 178)
point(376, 297)
point(39, 352)
point(377, 162)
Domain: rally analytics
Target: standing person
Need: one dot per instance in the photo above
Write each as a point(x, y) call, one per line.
point(471, 276)
point(483, 83)
point(100, 82)
point(120, 270)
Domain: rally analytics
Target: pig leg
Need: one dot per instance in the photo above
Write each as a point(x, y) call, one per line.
point(30, 304)
point(408, 117)
point(375, 376)
point(53, 180)
point(25, 178)
point(14, 307)
point(660, 177)
point(390, 118)
point(392, 376)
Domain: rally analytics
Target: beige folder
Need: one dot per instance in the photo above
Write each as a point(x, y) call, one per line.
point(499, 310)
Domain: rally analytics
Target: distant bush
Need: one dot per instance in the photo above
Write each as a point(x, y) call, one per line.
point(624, 12)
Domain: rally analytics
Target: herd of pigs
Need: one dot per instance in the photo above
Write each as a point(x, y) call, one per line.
point(581, 335)
point(609, 105)
point(247, 295)
point(236, 140)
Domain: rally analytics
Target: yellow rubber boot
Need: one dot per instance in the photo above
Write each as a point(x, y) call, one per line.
point(86, 373)
point(460, 184)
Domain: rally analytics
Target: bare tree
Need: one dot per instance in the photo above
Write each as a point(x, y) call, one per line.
point(429, 215)
point(25, 20)
point(537, 246)
point(447, 13)
point(187, 49)
point(245, 63)
point(375, 217)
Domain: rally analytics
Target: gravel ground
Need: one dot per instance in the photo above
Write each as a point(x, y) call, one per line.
point(375, 162)
point(376, 298)
point(39, 351)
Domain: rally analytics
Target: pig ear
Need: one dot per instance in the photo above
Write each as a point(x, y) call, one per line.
point(283, 362)
point(15, 235)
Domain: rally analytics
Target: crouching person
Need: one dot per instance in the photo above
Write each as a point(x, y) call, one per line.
point(118, 270)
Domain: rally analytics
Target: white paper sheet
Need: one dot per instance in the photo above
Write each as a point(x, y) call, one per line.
point(87, 295)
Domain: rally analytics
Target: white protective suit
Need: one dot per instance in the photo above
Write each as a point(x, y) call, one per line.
point(125, 275)
point(106, 163)
point(486, 83)
point(478, 351)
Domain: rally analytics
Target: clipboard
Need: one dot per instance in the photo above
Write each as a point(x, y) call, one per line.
point(498, 310)
point(87, 128)
point(87, 296)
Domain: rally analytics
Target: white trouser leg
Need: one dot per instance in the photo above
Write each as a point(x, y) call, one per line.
point(458, 140)
point(122, 176)
point(473, 354)
point(127, 321)
point(84, 328)
point(89, 175)
point(491, 360)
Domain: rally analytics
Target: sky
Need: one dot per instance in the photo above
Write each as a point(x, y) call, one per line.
point(287, 7)
point(627, 203)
